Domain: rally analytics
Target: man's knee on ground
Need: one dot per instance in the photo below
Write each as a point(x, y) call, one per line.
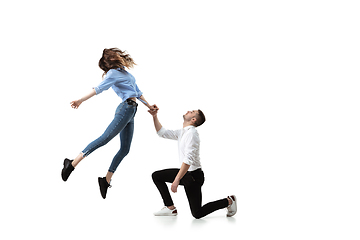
point(197, 214)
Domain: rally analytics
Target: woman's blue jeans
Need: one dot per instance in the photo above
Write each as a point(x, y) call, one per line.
point(122, 123)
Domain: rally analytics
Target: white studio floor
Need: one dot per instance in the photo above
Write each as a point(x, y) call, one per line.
point(75, 210)
point(70, 212)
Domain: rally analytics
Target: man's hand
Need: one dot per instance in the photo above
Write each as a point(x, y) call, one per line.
point(174, 186)
point(154, 113)
point(183, 170)
point(153, 110)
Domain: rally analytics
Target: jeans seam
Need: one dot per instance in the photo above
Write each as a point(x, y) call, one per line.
point(105, 138)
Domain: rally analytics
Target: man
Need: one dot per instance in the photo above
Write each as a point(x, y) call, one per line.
point(190, 174)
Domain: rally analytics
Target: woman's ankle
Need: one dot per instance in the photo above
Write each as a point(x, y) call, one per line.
point(109, 176)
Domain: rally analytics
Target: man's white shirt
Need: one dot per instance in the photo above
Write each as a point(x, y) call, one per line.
point(188, 145)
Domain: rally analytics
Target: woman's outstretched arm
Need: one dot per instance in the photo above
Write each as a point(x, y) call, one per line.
point(152, 107)
point(75, 104)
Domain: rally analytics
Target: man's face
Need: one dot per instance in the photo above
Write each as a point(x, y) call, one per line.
point(190, 114)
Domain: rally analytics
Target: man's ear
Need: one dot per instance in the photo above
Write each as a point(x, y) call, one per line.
point(193, 120)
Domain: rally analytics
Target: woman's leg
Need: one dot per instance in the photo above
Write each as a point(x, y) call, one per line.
point(126, 132)
point(124, 114)
point(78, 159)
point(126, 136)
point(109, 176)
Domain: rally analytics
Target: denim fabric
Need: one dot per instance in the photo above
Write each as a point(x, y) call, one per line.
point(122, 123)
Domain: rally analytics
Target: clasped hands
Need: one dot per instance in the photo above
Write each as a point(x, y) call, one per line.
point(153, 110)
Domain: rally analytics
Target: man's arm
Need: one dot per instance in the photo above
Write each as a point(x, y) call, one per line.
point(162, 132)
point(183, 170)
point(157, 124)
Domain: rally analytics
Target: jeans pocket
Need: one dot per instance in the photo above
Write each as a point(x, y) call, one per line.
point(119, 108)
point(130, 106)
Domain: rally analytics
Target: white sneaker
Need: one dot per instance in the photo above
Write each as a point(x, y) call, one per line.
point(166, 212)
point(232, 209)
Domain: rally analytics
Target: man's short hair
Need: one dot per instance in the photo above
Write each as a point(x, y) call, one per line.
point(200, 118)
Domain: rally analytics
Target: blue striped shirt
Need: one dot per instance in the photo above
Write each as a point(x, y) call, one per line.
point(122, 82)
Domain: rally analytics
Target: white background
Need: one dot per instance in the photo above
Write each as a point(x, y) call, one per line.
point(277, 80)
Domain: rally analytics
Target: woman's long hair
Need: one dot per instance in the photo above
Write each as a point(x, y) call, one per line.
point(114, 58)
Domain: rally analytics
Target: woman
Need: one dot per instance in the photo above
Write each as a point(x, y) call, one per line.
point(113, 62)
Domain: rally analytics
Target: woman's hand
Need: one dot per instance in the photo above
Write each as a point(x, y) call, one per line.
point(154, 108)
point(76, 104)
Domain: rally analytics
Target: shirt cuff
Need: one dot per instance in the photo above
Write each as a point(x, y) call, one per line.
point(187, 161)
point(161, 132)
point(97, 90)
point(141, 100)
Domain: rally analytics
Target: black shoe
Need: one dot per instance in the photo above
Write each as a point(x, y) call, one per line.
point(68, 168)
point(104, 185)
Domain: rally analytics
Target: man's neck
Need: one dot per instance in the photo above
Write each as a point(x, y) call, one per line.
point(186, 124)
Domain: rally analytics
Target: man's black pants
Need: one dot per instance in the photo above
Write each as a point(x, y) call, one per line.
point(192, 182)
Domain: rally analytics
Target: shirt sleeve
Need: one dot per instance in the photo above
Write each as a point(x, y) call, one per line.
point(192, 149)
point(139, 93)
point(169, 134)
point(108, 81)
point(138, 90)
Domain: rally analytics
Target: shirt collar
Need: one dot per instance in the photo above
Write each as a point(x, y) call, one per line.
point(188, 127)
